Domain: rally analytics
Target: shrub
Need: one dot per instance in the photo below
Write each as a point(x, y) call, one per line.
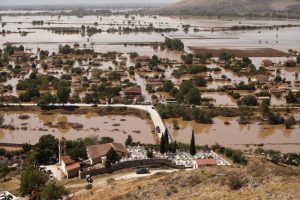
point(234, 182)
point(89, 186)
point(110, 180)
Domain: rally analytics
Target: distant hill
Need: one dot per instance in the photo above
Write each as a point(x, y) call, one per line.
point(275, 8)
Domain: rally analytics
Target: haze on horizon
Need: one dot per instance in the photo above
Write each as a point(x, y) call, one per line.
point(80, 2)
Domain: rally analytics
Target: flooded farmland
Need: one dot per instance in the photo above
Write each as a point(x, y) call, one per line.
point(38, 35)
point(236, 135)
point(30, 127)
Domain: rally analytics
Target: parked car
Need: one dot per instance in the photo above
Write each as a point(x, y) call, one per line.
point(142, 170)
point(158, 129)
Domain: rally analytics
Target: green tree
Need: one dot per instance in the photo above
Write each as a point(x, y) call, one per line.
point(107, 163)
point(249, 100)
point(150, 154)
point(193, 97)
point(188, 58)
point(168, 86)
point(2, 151)
point(104, 140)
point(46, 148)
point(53, 190)
point(76, 149)
point(265, 109)
point(31, 180)
point(129, 140)
point(289, 122)
point(46, 99)
point(4, 170)
point(298, 58)
point(63, 94)
point(112, 156)
point(174, 147)
point(193, 145)
point(162, 148)
point(291, 98)
point(200, 81)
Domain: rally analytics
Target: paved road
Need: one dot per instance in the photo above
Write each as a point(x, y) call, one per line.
point(123, 176)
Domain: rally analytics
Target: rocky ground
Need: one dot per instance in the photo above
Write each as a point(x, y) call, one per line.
point(260, 179)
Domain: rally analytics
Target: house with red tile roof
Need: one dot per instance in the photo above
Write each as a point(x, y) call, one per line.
point(69, 167)
point(97, 153)
point(134, 90)
point(204, 162)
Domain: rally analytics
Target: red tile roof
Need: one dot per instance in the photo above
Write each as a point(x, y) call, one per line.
point(100, 150)
point(133, 90)
point(208, 161)
point(67, 160)
point(74, 166)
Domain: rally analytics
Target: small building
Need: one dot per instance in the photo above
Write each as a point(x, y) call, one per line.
point(69, 167)
point(260, 79)
point(142, 59)
point(275, 91)
point(267, 63)
point(204, 162)
point(134, 90)
point(97, 153)
point(18, 54)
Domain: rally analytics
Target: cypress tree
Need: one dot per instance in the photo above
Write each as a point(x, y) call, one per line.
point(174, 147)
point(162, 144)
point(167, 143)
point(192, 145)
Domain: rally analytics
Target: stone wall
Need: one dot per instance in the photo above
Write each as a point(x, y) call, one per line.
point(131, 164)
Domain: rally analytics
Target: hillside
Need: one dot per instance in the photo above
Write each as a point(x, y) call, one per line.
point(259, 180)
point(277, 8)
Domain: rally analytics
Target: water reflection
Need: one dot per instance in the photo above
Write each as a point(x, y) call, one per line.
point(234, 133)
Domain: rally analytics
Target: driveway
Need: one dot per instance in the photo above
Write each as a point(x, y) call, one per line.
point(55, 169)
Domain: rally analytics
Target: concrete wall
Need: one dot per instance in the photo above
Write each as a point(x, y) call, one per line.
point(131, 164)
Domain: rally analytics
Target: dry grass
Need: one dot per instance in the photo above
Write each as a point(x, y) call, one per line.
point(258, 180)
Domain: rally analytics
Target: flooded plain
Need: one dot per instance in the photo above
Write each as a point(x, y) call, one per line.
point(30, 127)
point(237, 135)
point(38, 35)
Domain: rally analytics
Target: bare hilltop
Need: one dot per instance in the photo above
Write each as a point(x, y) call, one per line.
point(273, 8)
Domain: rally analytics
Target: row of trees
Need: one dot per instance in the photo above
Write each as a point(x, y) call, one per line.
point(166, 146)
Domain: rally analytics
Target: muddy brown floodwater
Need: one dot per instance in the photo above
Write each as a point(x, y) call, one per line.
point(74, 126)
point(236, 135)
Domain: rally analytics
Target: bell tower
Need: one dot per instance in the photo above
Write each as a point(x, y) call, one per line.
point(62, 148)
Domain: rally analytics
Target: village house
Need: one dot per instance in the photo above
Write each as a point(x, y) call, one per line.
point(132, 91)
point(275, 91)
point(204, 162)
point(267, 63)
point(260, 78)
point(97, 153)
point(69, 167)
point(18, 54)
point(144, 60)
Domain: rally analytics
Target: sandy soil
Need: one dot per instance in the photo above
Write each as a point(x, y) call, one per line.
point(259, 180)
